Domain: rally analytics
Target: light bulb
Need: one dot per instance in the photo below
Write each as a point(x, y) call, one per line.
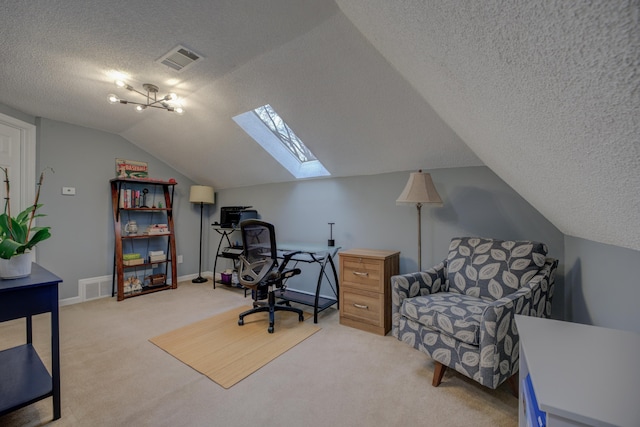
point(179, 110)
point(120, 83)
point(171, 97)
point(140, 108)
point(113, 98)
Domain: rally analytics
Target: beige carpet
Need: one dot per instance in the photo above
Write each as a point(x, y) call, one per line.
point(340, 377)
point(226, 352)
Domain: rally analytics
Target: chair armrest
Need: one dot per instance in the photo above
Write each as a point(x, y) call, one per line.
point(498, 334)
point(532, 299)
point(410, 285)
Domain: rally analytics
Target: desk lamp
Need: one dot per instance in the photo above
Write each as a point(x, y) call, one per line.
point(419, 190)
point(201, 194)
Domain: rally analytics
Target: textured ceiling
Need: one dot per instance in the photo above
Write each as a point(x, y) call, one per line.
point(546, 93)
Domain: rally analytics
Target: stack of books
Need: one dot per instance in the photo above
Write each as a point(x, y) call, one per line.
point(157, 256)
point(132, 259)
point(158, 229)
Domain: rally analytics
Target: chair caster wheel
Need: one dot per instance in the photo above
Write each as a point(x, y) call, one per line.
point(300, 318)
point(270, 329)
point(241, 322)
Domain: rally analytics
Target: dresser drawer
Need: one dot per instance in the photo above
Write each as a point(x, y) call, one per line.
point(362, 273)
point(362, 306)
point(365, 295)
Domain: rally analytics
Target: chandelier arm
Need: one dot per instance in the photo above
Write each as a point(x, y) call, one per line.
point(132, 89)
point(161, 107)
point(155, 102)
point(124, 101)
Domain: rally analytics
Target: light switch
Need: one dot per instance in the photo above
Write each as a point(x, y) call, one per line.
point(69, 191)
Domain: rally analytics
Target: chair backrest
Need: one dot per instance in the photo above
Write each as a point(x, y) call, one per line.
point(259, 255)
point(490, 268)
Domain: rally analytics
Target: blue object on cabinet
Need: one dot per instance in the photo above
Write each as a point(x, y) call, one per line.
point(535, 417)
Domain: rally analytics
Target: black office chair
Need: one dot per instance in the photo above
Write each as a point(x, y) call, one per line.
point(260, 272)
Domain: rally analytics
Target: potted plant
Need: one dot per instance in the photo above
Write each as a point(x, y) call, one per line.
point(18, 235)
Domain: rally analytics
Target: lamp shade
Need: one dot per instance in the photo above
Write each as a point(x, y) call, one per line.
point(419, 189)
point(201, 194)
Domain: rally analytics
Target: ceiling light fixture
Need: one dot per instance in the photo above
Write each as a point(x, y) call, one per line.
point(168, 102)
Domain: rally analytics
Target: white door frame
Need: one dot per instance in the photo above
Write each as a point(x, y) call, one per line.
point(27, 160)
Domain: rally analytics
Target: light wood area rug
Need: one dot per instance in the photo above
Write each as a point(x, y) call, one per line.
point(226, 352)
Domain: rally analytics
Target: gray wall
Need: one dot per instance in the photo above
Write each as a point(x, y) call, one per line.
point(597, 283)
point(476, 202)
point(602, 284)
point(82, 239)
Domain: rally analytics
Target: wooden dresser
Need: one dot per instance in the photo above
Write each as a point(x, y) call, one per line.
point(365, 294)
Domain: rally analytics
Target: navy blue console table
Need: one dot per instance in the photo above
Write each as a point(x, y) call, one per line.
point(23, 377)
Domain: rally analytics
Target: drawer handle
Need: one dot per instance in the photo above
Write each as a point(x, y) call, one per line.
point(358, 273)
point(365, 307)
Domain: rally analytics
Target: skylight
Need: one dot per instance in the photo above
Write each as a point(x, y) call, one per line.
point(269, 130)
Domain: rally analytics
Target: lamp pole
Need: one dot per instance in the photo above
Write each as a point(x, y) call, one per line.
point(419, 206)
point(200, 279)
point(201, 194)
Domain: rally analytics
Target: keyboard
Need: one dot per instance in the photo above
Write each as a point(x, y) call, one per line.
point(232, 251)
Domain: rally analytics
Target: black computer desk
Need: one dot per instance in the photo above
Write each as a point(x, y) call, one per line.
point(310, 254)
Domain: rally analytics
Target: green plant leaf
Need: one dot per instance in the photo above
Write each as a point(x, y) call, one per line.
point(8, 248)
point(38, 237)
point(4, 225)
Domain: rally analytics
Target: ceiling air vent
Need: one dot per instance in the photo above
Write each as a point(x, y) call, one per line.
point(179, 58)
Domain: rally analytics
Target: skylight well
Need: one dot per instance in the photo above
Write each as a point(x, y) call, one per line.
point(269, 130)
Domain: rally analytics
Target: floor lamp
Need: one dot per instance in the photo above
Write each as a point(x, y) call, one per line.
point(204, 195)
point(419, 190)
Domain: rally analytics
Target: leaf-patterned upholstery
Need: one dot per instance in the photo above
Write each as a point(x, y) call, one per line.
point(452, 314)
point(491, 269)
point(461, 312)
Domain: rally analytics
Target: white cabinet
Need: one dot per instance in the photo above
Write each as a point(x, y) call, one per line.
point(582, 375)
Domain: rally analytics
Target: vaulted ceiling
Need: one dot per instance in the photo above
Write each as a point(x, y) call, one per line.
point(546, 93)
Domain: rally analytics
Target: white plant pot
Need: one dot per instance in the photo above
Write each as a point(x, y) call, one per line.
point(15, 267)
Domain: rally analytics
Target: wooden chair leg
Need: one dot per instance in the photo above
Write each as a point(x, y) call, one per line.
point(438, 373)
point(512, 382)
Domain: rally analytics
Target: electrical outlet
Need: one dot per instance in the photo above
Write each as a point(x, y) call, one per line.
point(69, 191)
point(179, 259)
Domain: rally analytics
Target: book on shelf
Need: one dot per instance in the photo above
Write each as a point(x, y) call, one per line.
point(158, 229)
point(130, 198)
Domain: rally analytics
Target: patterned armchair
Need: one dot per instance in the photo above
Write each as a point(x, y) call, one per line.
point(461, 312)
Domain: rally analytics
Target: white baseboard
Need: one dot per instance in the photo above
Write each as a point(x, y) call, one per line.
point(100, 287)
point(97, 287)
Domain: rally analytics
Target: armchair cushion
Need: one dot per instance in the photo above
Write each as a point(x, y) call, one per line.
point(492, 269)
point(452, 314)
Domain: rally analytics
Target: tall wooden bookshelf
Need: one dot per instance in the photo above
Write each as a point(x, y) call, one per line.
point(148, 203)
